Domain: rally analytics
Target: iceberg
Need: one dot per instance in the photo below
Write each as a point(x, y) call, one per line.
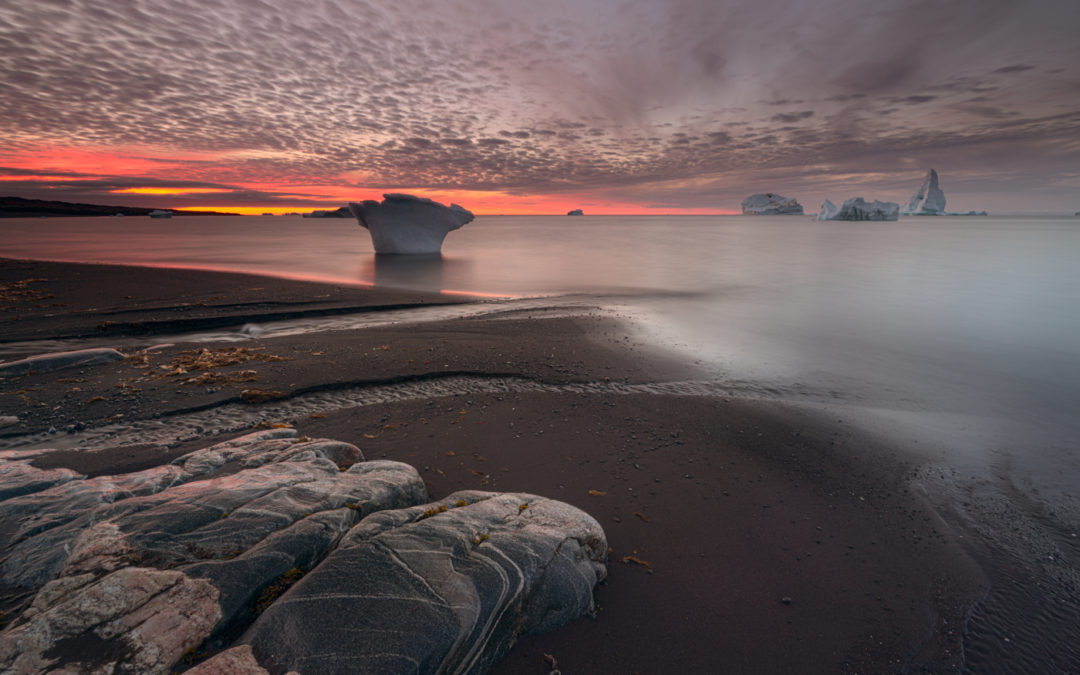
point(929, 200)
point(405, 224)
point(827, 211)
point(575, 212)
point(858, 208)
point(771, 204)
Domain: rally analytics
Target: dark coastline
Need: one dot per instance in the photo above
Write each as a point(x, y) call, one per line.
point(17, 207)
point(776, 540)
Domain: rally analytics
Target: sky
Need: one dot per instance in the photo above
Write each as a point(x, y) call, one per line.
point(539, 106)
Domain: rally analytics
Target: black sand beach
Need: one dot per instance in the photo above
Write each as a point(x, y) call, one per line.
point(746, 536)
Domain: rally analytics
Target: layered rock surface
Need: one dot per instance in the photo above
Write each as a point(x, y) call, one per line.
point(132, 572)
point(929, 200)
point(858, 208)
point(405, 224)
point(771, 204)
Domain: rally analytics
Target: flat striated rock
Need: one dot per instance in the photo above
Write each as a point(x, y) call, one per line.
point(133, 573)
point(404, 224)
point(142, 620)
point(20, 477)
point(929, 200)
point(858, 208)
point(771, 204)
point(449, 587)
point(169, 557)
point(46, 363)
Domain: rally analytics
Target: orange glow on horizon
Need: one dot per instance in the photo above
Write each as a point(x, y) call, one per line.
point(258, 210)
point(169, 191)
point(165, 164)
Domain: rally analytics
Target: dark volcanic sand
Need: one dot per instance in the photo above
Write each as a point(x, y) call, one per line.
point(761, 537)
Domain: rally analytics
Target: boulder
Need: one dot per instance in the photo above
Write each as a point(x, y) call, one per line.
point(929, 200)
point(448, 587)
point(771, 204)
point(137, 572)
point(404, 224)
point(858, 208)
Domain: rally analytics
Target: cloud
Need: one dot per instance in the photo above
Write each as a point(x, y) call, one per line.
point(793, 117)
point(531, 98)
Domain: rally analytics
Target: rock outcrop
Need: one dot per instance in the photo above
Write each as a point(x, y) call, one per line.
point(771, 204)
point(468, 575)
point(404, 224)
point(130, 573)
point(858, 208)
point(929, 200)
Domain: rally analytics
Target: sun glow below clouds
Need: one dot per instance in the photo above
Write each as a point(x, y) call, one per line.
point(169, 191)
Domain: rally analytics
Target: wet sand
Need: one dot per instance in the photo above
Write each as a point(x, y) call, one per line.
point(746, 536)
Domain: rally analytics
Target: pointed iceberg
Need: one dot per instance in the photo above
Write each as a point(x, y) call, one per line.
point(929, 200)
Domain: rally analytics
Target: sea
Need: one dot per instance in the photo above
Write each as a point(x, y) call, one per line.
point(956, 338)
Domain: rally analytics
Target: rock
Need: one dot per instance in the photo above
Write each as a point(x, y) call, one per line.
point(142, 620)
point(236, 661)
point(575, 212)
point(46, 363)
point(20, 478)
point(130, 573)
point(8, 420)
point(929, 200)
point(449, 587)
point(857, 208)
point(771, 204)
point(404, 224)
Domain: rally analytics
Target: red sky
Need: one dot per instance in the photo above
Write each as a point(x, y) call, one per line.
point(508, 106)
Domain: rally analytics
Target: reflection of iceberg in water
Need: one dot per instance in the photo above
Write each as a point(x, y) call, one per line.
point(419, 272)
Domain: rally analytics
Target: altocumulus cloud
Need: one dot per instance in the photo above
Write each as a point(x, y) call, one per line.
point(671, 102)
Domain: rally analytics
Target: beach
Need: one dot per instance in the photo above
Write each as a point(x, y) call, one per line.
point(744, 535)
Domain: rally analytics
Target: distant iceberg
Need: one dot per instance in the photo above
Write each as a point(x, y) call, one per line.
point(929, 200)
point(858, 208)
point(158, 213)
point(575, 212)
point(405, 224)
point(771, 204)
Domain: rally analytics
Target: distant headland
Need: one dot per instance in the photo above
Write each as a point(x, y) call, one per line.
point(17, 207)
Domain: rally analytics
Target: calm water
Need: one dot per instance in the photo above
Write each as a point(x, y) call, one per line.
point(956, 337)
point(960, 330)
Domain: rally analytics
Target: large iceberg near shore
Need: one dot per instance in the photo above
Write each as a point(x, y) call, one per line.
point(858, 208)
point(405, 224)
point(929, 200)
point(771, 204)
